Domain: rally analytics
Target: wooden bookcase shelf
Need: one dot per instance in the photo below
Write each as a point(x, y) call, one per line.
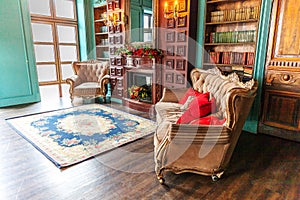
point(230, 35)
point(232, 22)
point(101, 32)
point(230, 43)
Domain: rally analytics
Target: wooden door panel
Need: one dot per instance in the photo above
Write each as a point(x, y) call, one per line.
point(287, 34)
point(282, 110)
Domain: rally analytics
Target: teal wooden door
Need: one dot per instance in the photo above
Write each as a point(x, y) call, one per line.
point(137, 25)
point(18, 77)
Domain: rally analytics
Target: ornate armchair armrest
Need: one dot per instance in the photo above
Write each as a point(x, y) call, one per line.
point(104, 80)
point(73, 81)
point(185, 133)
point(172, 95)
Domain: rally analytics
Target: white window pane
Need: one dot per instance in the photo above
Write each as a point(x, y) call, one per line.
point(42, 32)
point(44, 53)
point(147, 37)
point(65, 8)
point(40, 7)
point(66, 34)
point(46, 73)
point(68, 53)
point(67, 71)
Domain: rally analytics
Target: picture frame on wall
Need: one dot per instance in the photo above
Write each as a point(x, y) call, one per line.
point(181, 21)
point(117, 4)
point(170, 37)
point(113, 61)
point(111, 40)
point(170, 50)
point(181, 36)
point(170, 23)
point(118, 39)
point(117, 17)
point(111, 29)
point(169, 64)
point(181, 50)
point(180, 64)
point(110, 5)
point(180, 79)
point(118, 28)
point(182, 6)
point(112, 51)
point(169, 78)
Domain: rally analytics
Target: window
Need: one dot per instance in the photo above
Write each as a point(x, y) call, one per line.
point(148, 24)
point(55, 37)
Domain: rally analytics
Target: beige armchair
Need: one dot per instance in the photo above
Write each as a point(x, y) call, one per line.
point(198, 148)
point(89, 79)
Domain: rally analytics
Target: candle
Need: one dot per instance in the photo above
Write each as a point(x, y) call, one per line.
point(176, 6)
point(166, 9)
point(176, 9)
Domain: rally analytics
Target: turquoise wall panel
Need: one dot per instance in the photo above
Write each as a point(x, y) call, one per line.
point(18, 79)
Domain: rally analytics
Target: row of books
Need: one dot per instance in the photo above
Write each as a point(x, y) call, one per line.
point(235, 14)
point(232, 36)
point(233, 58)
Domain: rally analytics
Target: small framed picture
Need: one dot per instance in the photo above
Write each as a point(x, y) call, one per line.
point(170, 37)
point(118, 28)
point(112, 51)
point(170, 23)
point(169, 78)
point(170, 50)
point(182, 6)
point(118, 39)
point(110, 5)
point(181, 36)
point(117, 4)
point(112, 61)
point(111, 29)
point(181, 21)
point(181, 50)
point(179, 79)
point(117, 17)
point(119, 61)
point(180, 64)
point(111, 40)
point(169, 64)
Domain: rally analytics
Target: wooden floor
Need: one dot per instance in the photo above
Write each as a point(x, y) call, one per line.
point(262, 167)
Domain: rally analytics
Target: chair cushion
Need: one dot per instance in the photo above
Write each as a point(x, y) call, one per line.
point(189, 92)
point(208, 120)
point(199, 107)
point(88, 85)
point(87, 89)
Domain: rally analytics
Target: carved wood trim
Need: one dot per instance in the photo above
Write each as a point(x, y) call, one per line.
point(283, 77)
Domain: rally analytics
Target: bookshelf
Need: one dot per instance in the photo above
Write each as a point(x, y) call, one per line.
point(101, 32)
point(230, 36)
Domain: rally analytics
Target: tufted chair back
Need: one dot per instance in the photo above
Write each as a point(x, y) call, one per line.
point(220, 87)
point(91, 71)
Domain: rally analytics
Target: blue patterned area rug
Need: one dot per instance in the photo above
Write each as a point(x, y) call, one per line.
point(72, 135)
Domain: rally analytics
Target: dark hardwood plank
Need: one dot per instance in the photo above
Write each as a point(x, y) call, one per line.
point(262, 167)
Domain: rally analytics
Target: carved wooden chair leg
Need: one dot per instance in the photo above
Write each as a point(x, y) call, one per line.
point(217, 176)
point(160, 177)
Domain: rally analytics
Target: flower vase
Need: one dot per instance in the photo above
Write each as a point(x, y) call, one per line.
point(129, 61)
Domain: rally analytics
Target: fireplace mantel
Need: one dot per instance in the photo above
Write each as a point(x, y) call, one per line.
point(153, 73)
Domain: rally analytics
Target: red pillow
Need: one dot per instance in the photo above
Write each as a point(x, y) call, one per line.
point(199, 107)
point(209, 120)
point(189, 92)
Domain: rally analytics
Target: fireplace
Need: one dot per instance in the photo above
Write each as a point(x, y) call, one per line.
point(142, 88)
